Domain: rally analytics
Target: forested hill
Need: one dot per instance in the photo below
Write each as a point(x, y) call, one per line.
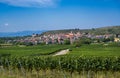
point(102, 30)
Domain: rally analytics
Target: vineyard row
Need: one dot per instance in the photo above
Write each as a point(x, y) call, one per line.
point(65, 63)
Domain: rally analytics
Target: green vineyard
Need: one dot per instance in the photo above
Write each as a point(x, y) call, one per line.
point(64, 63)
point(87, 61)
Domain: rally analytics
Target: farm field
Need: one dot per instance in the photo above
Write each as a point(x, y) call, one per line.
point(31, 50)
point(85, 50)
point(60, 67)
point(96, 50)
point(86, 61)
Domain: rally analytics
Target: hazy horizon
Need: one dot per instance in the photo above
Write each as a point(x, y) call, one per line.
point(29, 15)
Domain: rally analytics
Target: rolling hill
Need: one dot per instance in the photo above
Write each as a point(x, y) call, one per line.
point(102, 30)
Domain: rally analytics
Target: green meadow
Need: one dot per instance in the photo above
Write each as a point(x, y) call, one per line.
point(32, 50)
point(105, 50)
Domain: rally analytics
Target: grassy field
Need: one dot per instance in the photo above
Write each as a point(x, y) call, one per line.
point(31, 50)
point(59, 74)
point(96, 50)
point(85, 50)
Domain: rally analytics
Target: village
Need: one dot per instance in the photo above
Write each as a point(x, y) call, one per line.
point(61, 37)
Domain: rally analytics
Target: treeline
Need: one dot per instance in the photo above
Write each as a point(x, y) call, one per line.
point(87, 41)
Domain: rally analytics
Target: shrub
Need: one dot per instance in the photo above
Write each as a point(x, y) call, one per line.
point(67, 42)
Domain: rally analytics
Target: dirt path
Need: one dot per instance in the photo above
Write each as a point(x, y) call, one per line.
point(62, 52)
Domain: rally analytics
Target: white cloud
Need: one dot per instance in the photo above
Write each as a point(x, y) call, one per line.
point(6, 24)
point(30, 3)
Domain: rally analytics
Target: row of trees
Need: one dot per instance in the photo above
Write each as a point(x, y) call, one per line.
point(88, 41)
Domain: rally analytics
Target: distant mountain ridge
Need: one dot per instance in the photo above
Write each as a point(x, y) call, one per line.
point(21, 33)
point(97, 31)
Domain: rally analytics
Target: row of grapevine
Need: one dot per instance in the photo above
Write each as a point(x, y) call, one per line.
point(69, 64)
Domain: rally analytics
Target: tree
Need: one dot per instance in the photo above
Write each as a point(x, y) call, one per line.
point(85, 40)
point(29, 44)
point(67, 42)
point(77, 43)
point(2, 41)
point(81, 41)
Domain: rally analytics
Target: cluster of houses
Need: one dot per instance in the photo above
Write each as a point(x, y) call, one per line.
point(61, 37)
point(117, 38)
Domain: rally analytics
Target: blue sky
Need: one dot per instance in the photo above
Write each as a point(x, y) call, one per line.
point(21, 15)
